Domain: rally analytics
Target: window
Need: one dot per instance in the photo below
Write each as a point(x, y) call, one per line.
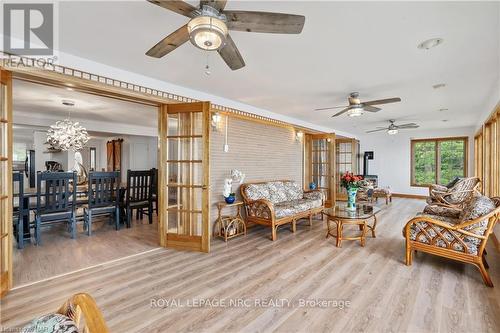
point(438, 161)
point(19, 152)
point(92, 159)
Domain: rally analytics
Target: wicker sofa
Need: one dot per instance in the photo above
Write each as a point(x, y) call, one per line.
point(458, 234)
point(280, 202)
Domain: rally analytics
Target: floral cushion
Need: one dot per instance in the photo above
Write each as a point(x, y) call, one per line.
point(293, 207)
point(313, 195)
point(381, 191)
point(257, 191)
point(477, 207)
point(51, 323)
point(277, 192)
point(442, 211)
point(293, 190)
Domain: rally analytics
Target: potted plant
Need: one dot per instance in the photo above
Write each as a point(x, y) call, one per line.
point(229, 195)
point(351, 183)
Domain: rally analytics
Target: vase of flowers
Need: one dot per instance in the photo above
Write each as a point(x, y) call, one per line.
point(351, 183)
point(236, 176)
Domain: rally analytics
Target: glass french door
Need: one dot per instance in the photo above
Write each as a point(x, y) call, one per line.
point(346, 161)
point(184, 176)
point(5, 181)
point(321, 168)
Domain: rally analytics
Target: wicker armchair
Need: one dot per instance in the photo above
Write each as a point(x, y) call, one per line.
point(462, 239)
point(454, 196)
point(78, 314)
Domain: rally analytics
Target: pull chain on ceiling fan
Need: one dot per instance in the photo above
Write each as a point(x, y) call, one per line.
point(209, 25)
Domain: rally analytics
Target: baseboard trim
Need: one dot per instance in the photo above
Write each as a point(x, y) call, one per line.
point(409, 196)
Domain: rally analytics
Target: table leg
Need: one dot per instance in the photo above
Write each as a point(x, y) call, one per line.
point(363, 234)
point(374, 225)
point(339, 233)
point(26, 220)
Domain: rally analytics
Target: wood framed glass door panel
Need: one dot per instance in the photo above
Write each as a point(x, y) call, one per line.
point(184, 175)
point(346, 159)
point(320, 166)
point(5, 181)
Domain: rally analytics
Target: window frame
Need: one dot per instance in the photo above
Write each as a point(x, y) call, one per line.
point(93, 151)
point(437, 141)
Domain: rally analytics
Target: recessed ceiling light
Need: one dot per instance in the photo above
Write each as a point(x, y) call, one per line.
point(430, 43)
point(439, 85)
point(442, 109)
point(68, 102)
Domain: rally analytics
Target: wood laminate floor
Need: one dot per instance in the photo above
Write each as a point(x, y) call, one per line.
point(59, 254)
point(378, 291)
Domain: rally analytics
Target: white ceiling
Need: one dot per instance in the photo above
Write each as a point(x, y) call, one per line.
point(45, 102)
point(370, 47)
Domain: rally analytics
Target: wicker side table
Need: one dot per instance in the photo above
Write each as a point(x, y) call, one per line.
point(229, 226)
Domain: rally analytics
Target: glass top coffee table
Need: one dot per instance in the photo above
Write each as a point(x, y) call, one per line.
point(341, 216)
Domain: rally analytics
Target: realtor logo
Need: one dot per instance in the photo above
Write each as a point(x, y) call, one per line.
point(29, 29)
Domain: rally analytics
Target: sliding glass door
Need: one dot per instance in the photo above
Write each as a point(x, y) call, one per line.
point(5, 181)
point(184, 176)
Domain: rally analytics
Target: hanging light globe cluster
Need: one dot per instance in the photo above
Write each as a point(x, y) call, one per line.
point(67, 135)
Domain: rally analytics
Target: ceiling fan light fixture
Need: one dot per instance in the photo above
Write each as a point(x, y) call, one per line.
point(355, 112)
point(430, 43)
point(207, 33)
point(392, 131)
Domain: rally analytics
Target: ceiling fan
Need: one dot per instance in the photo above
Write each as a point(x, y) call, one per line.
point(209, 24)
point(356, 107)
point(393, 128)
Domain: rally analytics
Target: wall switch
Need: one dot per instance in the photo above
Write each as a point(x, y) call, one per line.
point(226, 148)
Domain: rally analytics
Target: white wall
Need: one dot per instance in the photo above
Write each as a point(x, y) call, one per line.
point(392, 156)
point(138, 153)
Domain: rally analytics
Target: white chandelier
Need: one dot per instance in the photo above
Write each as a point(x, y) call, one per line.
point(67, 135)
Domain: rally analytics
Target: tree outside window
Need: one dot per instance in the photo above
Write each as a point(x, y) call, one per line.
point(438, 161)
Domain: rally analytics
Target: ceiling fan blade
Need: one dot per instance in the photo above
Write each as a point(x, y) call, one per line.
point(180, 7)
point(342, 112)
point(383, 101)
point(331, 107)
point(377, 130)
point(217, 4)
point(275, 23)
point(370, 108)
point(231, 55)
point(412, 125)
point(169, 43)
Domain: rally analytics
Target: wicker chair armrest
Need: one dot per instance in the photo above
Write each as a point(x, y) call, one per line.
point(261, 208)
point(429, 220)
point(438, 189)
point(83, 306)
point(493, 216)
